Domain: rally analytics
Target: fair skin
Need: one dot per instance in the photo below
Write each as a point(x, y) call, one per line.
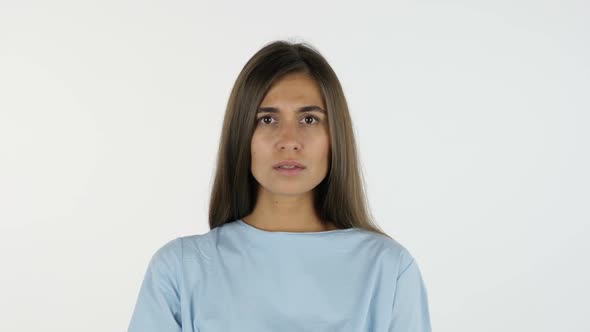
point(285, 203)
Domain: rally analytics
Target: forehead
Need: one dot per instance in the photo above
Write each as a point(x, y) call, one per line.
point(294, 88)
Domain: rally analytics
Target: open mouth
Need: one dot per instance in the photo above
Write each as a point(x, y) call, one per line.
point(289, 170)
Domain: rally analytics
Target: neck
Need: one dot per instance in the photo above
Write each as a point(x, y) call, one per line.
point(286, 213)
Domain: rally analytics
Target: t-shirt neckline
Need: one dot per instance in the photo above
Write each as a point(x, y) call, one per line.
point(253, 229)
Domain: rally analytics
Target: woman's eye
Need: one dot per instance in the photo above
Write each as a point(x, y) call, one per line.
point(313, 118)
point(261, 119)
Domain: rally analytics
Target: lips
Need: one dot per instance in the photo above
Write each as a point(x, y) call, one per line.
point(289, 163)
point(294, 171)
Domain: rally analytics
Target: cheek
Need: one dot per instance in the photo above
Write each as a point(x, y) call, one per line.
point(325, 139)
point(254, 144)
point(257, 148)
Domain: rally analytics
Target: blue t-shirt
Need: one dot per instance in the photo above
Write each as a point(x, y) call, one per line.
point(237, 277)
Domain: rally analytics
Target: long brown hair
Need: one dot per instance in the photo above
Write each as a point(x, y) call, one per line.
point(341, 196)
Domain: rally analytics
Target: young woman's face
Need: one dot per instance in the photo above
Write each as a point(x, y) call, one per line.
point(288, 133)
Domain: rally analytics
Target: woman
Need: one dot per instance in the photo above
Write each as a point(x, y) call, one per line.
point(291, 245)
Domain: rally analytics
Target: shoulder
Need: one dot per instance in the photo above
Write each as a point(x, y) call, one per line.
point(187, 248)
point(167, 256)
point(390, 250)
point(182, 246)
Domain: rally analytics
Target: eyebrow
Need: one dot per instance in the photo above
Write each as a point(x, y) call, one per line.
point(310, 108)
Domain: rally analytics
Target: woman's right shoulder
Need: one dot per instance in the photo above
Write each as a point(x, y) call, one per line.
point(184, 247)
point(196, 246)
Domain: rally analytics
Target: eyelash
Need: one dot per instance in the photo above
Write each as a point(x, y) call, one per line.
point(258, 121)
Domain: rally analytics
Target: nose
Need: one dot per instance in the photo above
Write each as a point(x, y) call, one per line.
point(288, 138)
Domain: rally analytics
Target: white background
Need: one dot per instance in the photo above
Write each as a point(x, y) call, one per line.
point(472, 120)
